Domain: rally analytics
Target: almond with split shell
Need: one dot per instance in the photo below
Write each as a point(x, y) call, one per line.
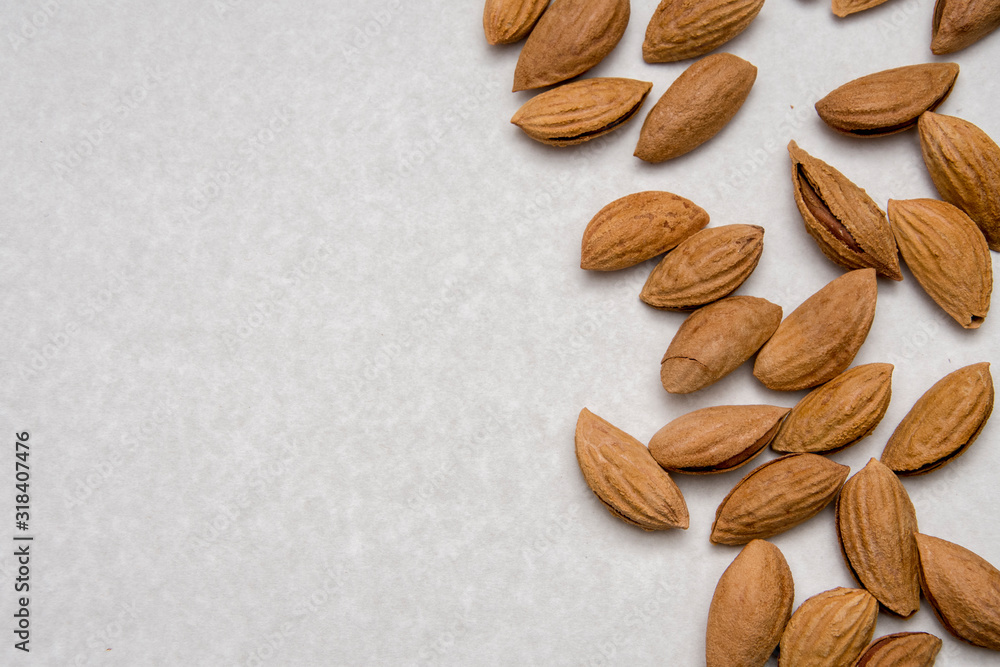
point(960, 23)
point(580, 111)
point(704, 267)
point(715, 439)
point(831, 628)
point(714, 340)
point(847, 225)
point(696, 107)
point(777, 496)
point(821, 337)
point(964, 590)
point(948, 256)
point(903, 649)
point(838, 413)
point(750, 608)
point(943, 423)
point(889, 101)
point(964, 163)
point(509, 21)
point(620, 471)
point(638, 227)
point(571, 37)
point(875, 525)
point(681, 29)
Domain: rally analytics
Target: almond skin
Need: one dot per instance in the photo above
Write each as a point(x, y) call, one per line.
point(961, 23)
point(704, 267)
point(875, 525)
point(509, 21)
point(714, 340)
point(844, 8)
point(847, 225)
point(831, 628)
point(821, 337)
point(681, 29)
point(696, 107)
point(964, 590)
point(889, 101)
point(715, 439)
point(838, 413)
point(964, 163)
point(621, 472)
point(777, 496)
point(580, 111)
point(943, 423)
point(571, 37)
point(637, 227)
point(948, 256)
point(903, 649)
point(750, 608)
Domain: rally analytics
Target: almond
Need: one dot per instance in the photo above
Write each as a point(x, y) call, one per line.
point(638, 227)
point(696, 107)
point(964, 163)
point(777, 496)
point(838, 413)
point(580, 111)
point(844, 8)
point(875, 525)
point(961, 23)
point(948, 256)
point(903, 649)
point(846, 224)
point(715, 439)
point(831, 628)
point(964, 590)
point(821, 337)
point(704, 267)
point(714, 340)
point(889, 101)
point(621, 472)
point(680, 29)
point(509, 21)
point(943, 423)
point(750, 608)
point(571, 37)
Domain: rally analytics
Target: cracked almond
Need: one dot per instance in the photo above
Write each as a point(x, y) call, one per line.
point(679, 29)
point(831, 628)
point(847, 225)
point(903, 649)
point(623, 475)
point(509, 21)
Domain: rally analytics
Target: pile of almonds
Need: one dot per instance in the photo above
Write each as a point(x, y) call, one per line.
point(945, 244)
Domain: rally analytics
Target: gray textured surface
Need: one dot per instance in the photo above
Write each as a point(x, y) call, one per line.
point(295, 320)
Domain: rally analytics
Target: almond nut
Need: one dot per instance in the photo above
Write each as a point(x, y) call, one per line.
point(509, 21)
point(831, 628)
point(680, 29)
point(903, 649)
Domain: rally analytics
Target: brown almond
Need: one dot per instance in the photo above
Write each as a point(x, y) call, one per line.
point(580, 111)
point(875, 525)
point(620, 471)
point(844, 8)
point(889, 101)
point(964, 590)
point(948, 256)
point(960, 23)
point(750, 608)
point(847, 225)
point(777, 496)
point(571, 37)
point(821, 337)
point(943, 423)
point(903, 649)
point(838, 413)
point(704, 267)
point(638, 227)
point(715, 439)
point(681, 30)
point(509, 21)
point(714, 340)
point(964, 163)
point(696, 107)
point(831, 628)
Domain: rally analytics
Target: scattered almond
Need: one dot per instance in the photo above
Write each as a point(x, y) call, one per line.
point(509, 21)
point(831, 628)
point(961, 23)
point(681, 29)
point(903, 649)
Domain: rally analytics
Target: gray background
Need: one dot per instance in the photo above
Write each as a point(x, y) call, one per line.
point(295, 320)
